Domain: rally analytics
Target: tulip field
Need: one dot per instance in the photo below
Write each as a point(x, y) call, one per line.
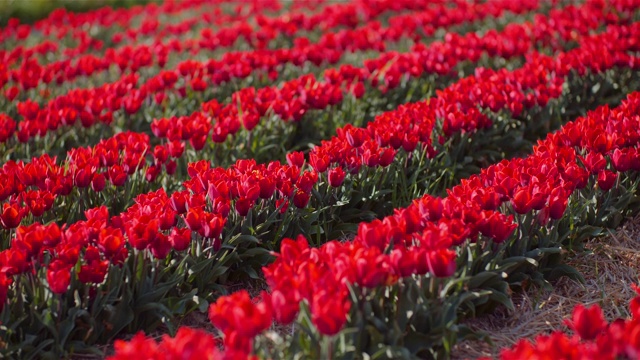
point(316, 179)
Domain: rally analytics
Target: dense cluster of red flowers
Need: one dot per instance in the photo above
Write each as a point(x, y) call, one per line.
point(594, 150)
point(538, 81)
point(138, 56)
point(212, 193)
point(593, 338)
point(31, 188)
point(597, 147)
point(289, 101)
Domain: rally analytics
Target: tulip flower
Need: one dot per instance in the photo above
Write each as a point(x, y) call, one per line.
point(588, 322)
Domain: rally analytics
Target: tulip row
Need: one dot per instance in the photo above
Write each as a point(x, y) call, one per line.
point(419, 239)
point(120, 157)
point(31, 73)
point(602, 146)
point(61, 23)
point(354, 147)
point(66, 109)
point(56, 22)
point(22, 68)
point(97, 105)
point(100, 241)
point(594, 338)
point(293, 99)
point(308, 93)
point(110, 242)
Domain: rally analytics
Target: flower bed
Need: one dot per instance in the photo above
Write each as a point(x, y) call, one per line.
point(134, 201)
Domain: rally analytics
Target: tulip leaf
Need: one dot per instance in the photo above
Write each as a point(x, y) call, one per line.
point(244, 238)
point(392, 353)
point(122, 316)
point(565, 270)
point(37, 352)
point(477, 281)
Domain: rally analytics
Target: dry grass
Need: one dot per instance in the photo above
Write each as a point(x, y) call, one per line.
point(609, 269)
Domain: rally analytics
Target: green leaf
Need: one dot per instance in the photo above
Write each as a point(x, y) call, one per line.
point(120, 318)
point(416, 342)
point(242, 239)
point(37, 353)
point(565, 270)
point(478, 281)
point(161, 289)
point(254, 252)
point(503, 299)
point(252, 273)
point(392, 353)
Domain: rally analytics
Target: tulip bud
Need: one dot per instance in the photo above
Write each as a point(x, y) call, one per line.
point(606, 179)
point(587, 322)
point(98, 183)
point(336, 176)
point(301, 199)
point(11, 216)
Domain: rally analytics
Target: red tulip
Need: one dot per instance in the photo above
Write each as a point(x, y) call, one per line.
point(194, 219)
point(243, 205)
point(250, 121)
point(558, 201)
point(355, 136)
point(98, 183)
point(301, 199)
point(178, 201)
point(295, 158)
point(180, 239)
point(307, 180)
point(595, 162)
point(167, 218)
point(238, 313)
point(607, 179)
point(138, 346)
point(11, 216)
point(319, 162)
point(58, 276)
point(83, 178)
point(404, 261)
point(110, 241)
point(372, 234)
point(212, 226)
point(161, 246)
point(442, 262)
point(191, 344)
point(152, 173)
point(94, 272)
point(285, 306)
point(587, 322)
point(621, 159)
point(117, 175)
point(336, 176)
point(267, 187)
point(499, 227)
point(386, 157)
point(328, 312)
